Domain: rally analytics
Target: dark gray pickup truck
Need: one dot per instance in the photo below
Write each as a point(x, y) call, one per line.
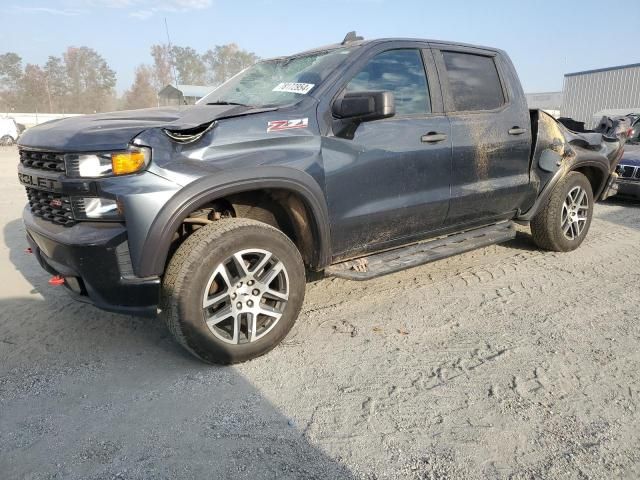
point(357, 159)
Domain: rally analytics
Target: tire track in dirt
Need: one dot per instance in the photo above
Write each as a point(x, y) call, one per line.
point(533, 377)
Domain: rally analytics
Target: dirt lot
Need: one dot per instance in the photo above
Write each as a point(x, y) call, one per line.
point(506, 362)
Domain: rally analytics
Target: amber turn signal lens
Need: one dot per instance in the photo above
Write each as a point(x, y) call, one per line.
point(128, 162)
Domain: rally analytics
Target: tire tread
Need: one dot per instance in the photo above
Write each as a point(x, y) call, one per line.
point(544, 223)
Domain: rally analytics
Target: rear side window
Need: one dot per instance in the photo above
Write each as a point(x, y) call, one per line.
point(474, 81)
point(400, 72)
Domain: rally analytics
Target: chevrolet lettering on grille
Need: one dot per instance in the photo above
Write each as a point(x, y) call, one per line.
point(39, 182)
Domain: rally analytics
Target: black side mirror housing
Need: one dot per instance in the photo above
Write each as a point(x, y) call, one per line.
point(364, 106)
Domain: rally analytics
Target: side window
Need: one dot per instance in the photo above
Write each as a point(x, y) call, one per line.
point(474, 81)
point(400, 72)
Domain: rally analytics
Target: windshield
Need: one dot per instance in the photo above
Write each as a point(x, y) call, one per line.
point(278, 82)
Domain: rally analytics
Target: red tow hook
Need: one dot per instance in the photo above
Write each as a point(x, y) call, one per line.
point(56, 281)
point(28, 250)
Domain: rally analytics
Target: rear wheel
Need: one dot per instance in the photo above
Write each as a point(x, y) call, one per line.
point(233, 290)
point(563, 223)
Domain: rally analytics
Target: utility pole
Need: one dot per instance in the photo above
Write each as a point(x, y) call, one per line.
point(46, 85)
point(172, 65)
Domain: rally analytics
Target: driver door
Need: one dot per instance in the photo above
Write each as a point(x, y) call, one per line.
point(391, 182)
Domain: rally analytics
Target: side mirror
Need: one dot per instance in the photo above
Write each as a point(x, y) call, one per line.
point(365, 106)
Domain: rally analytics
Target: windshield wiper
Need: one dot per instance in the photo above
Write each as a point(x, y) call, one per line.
point(224, 102)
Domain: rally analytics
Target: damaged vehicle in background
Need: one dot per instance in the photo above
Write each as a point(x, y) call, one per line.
point(634, 134)
point(357, 160)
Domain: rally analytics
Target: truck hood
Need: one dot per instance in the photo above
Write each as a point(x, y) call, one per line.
point(116, 130)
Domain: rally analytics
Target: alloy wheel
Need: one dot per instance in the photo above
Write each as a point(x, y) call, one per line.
point(575, 210)
point(245, 296)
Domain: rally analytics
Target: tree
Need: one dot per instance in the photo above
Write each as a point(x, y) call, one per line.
point(56, 84)
point(80, 81)
point(224, 61)
point(142, 93)
point(10, 76)
point(10, 69)
point(33, 91)
point(162, 66)
point(90, 80)
point(189, 65)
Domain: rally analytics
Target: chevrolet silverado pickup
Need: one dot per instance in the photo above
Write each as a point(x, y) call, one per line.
point(356, 160)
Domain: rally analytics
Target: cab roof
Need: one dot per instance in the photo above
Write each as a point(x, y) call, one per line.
point(376, 41)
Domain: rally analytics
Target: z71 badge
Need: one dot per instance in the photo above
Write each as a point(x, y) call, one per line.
point(279, 125)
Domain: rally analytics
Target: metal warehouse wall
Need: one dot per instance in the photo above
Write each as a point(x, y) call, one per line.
point(586, 93)
point(544, 100)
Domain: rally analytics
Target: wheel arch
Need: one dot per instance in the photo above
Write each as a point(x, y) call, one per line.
point(13, 140)
point(300, 186)
point(597, 175)
point(595, 171)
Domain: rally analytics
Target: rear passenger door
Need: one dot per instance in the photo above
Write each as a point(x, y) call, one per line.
point(489, 132)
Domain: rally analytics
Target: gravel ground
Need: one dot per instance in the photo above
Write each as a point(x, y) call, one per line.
point(506, 362)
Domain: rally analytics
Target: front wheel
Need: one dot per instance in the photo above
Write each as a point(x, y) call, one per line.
point(563, 223)
point(233, 290)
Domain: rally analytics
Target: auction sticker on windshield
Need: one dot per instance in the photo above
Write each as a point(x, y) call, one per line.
point(279, 125)
point(292, 87)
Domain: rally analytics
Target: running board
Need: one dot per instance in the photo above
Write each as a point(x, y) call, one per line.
point(378, 264)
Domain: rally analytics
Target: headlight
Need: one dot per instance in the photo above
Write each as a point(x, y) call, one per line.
point(91, 165)
point(96, 208)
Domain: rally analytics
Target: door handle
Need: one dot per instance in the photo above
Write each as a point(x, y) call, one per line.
point(517, 131)
point(433, 137)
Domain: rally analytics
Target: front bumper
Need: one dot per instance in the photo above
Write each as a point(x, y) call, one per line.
point(611, 188)
point(627, 188)
point(94, 260)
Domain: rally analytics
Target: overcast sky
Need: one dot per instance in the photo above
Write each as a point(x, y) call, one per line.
point(545, 39)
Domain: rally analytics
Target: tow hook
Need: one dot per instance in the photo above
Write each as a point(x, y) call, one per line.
point(56, 281)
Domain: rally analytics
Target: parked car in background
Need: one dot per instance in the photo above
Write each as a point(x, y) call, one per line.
point(629, 171)
point(9, 131)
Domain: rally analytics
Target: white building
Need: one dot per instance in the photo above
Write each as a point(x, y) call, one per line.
point(589, 94)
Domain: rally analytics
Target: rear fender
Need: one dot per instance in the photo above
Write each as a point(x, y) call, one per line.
point(559, 151)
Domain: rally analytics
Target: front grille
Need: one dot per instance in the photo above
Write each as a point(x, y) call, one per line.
point(47, 161)
point(51, 206)
point(628, 171)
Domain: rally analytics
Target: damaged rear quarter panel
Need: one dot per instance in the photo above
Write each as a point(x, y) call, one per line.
point(559, 151)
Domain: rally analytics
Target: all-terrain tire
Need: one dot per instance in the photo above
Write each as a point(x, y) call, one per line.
point(190, 270)
point(546, 226)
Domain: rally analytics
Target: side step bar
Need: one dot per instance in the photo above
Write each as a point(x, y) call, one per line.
point(378, 264)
